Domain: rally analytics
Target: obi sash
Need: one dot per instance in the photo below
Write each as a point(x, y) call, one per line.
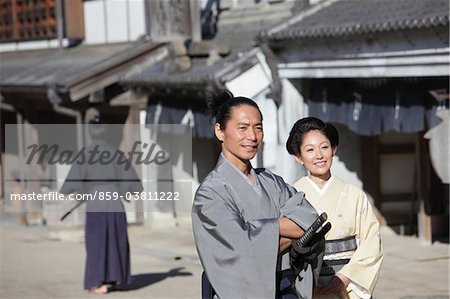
point(344, 248)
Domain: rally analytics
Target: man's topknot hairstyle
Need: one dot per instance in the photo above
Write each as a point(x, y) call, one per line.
point(220, 104)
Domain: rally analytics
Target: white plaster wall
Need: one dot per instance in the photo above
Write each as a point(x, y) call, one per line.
point(178, 174)
point(32, 45)
point(250, 83)
point(270, 152)
point(113, 21)
point(94, 22)
point(313, 2)
point(124, 20)
point(292, 108)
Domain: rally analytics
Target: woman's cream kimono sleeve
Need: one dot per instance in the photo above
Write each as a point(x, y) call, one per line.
point(364, 266)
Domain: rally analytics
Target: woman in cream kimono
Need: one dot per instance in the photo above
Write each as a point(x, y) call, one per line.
point(353, 252)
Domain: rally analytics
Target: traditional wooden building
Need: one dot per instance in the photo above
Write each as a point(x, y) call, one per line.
point(380, 69)
point(58, 86)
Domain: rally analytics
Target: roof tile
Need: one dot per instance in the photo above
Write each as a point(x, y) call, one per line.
point(346, 17)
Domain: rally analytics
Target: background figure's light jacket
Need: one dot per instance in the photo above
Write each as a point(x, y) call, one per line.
point(350, 214)
point(236, 229)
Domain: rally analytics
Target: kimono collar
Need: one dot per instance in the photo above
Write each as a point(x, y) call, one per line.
point(228, 170)
point(324, 188)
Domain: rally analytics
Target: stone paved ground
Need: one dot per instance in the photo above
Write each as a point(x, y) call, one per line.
point(165, 265)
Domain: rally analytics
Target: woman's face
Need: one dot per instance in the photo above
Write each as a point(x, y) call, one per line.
point(243, 134)
point(316, 153)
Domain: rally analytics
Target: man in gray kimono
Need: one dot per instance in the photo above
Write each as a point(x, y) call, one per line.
point(244, 218)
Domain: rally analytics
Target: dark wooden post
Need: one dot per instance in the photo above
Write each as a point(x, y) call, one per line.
point(423, 178)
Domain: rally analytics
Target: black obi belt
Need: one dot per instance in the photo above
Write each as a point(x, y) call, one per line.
point(343, 245)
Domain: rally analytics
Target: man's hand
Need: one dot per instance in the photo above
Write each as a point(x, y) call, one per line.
point(285, 243)
point(337, 283)
point(289, 229)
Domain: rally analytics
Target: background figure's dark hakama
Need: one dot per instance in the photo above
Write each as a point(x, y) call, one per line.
point(107, 248)
point(108, 254)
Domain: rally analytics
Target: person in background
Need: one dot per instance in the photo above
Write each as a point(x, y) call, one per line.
point(107, 248)
point(245, 218)
point(353, 252)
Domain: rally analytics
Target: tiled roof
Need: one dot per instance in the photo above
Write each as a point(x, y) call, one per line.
point(199, 73)
point(239, 25)
point(347, 17)
point(67, 66)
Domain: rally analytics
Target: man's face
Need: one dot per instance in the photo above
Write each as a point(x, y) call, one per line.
point(243, 134)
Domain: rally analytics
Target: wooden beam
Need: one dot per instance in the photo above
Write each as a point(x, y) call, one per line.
point(204, 48)
point(371, 173)
point(423, 218)
point(397, 149)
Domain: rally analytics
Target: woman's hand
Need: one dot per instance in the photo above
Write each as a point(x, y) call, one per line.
point(336, 284)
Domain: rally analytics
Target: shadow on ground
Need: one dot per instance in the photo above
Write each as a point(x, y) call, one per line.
point(142, 280)
point(424, 297)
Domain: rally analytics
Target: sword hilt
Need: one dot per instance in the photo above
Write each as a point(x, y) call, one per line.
point(309, 233)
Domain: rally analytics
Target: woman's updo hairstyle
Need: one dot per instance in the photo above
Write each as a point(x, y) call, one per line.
point(220, 103)
point(303, 126)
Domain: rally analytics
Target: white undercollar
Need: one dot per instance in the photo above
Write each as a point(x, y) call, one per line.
point(324, 188)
